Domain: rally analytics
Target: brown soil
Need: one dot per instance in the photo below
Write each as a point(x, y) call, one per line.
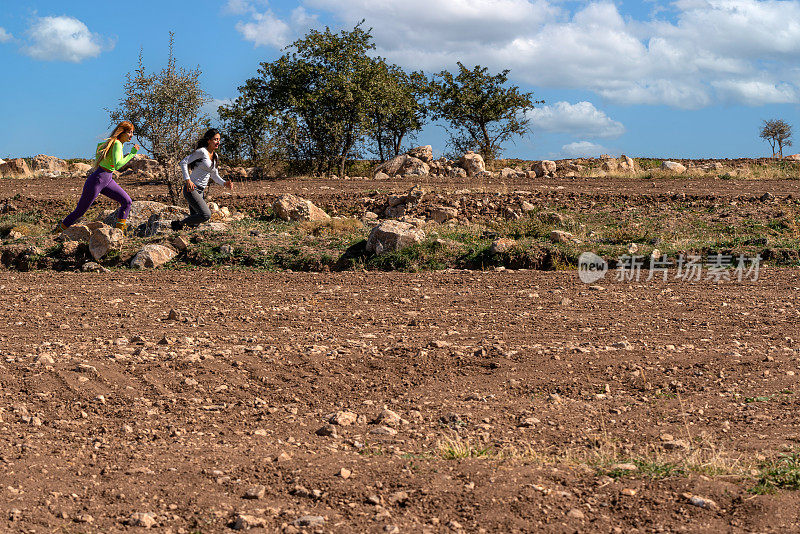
point(109, 408)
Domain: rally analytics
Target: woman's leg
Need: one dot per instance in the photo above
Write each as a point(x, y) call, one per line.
point(115, 192)
point(91, 189)
point(198, 209)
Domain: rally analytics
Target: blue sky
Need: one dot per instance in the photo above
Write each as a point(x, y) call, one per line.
point(686, 78)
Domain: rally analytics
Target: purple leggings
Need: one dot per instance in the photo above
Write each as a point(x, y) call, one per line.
point(100, 181)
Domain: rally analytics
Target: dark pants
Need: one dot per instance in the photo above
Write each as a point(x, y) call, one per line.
point(198, 209)
point(99, 182)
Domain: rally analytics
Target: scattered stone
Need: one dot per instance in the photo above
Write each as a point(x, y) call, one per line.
point(560, 236)
point(345, 473)
point(575, 514)
point(327, 431)
point(393, 235)
point(388, 418)
point(701, 502)
point(152, 256)
point(255, 492)
point(292, 208)
point(442, 214)
point(142, 519)
point(103, 240)
point(92, 267)
point(309, 521)
point(15, 168)
point(472, 163)
point(343, 418)
point(77, 232)
point(504, 244)
point(628, 492)
point(246, 522)
point(544, 168)
point(674, 445)
point(673, 166)
point(383, 431)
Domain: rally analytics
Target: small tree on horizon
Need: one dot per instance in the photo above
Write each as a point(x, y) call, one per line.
point(165, 108)
point(777, 133)
point(482, 112)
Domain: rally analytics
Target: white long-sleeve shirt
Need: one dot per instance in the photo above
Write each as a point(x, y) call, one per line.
point(202, 171)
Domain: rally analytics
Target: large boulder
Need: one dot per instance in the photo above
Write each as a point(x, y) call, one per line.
point(15, 168)
point(442, 214)
point(141, 211)
point(626, 163)
point(793, 157)
point(472, 163)
point(43, 163)
point(141, 163)
point(76, 232)
point(403, 164)
point(393, 235)
point(103, 240)
point(544, 168)
point(80, 167)
point(424, 153)
point(673, 166)
point(161, 222)
point(292, 208)
point(152, 256)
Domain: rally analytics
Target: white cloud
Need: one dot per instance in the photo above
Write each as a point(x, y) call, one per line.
point(265, 29)
point(583, 149)
point(63, 39)
point(736, 51)
point(581, 119)
point(4, 35)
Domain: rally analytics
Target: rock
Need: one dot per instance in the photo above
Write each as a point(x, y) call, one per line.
point(526, 206)
point(673, 166)
point(180, 242)
point(472, 163)
point(77, 232)
point(701, 502)
point(161, 222)
point(292, 208)
point(380, 175)
point(766, 197)
point(103, 240)
point(226, 249)
point(152, 256)
point(141, 163)
point(442, 214)
point(49, 164)
point(343, 418)
point(309, 521)
point(544, 168)
point(92, 267)
point(626, 163)
point(504, 244)
point(424, 153)
point(794, 157)
point(345, 473)
point(246, 522)
point(393, 235)
point(389, 418)
point(609, 165)
point(575, 514)
point(327, 431)
point(255, 492)
point(80, 168)
point(15, 168)
point(141, 211)
point(403, 165)
point(457, 172)
point(560, 236)
point(142, 519)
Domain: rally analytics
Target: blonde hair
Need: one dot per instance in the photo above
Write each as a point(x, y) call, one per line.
point(123, 126)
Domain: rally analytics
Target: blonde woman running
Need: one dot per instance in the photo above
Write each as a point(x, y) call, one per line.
point(108, 158)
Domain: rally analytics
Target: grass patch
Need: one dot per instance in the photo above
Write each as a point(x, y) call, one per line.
point(461, 448)
point(780, 473)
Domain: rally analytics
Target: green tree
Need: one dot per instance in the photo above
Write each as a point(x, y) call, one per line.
point(777, 133)
point(165, 108)
point(250, 130)
point(481, 111)
point(322, 91)
point(396, 111)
